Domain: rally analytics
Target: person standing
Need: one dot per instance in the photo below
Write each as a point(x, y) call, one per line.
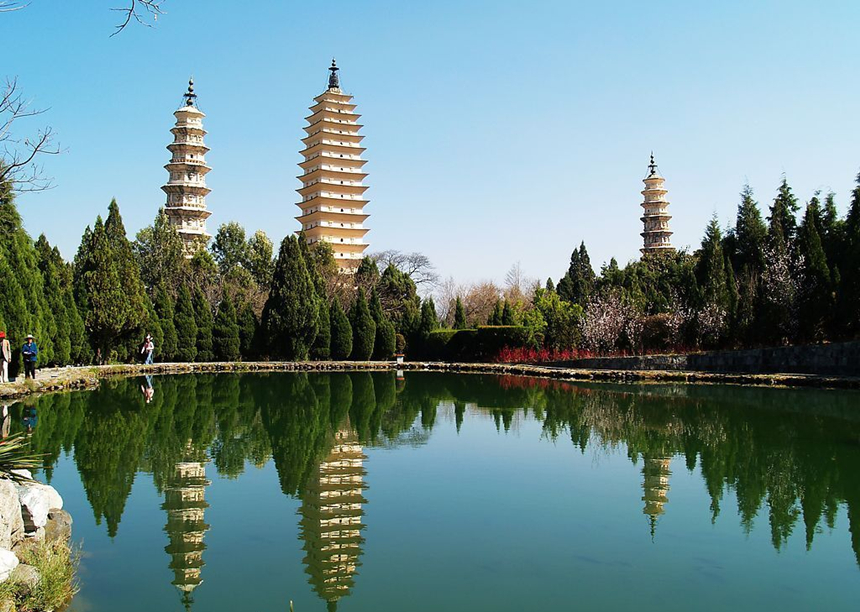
point(5, 357)
point(147, 349)
point(30, 353)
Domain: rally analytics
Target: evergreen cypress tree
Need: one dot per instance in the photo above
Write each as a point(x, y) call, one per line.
point(363, 329)
point(711, 268)
point(550, 286)
point(291, 314)
point(460, 315)
point(816, 294)
point(384, 343)
point(159, 255)
point(341, 333)
point(164, 309)
point(429, 320)
point(106, 315)
point(496, 316)
point(49, 260)
point(783, 213)
point(225, 332)
point(128, 272)
point(733, 297)
point(508, 317)
point(203, 318)
point(32, 314)
point(321, 350)
point(848, 309)
point(750, 233)
point(79, 348)
point(186, 326)
point(247, 332)
point(578, 283)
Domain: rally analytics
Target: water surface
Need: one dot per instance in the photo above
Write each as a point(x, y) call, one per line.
point(365, 492)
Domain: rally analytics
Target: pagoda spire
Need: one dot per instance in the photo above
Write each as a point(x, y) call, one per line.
point(656, 236)
point(332, 191)
point(190, 96)
point(333, 79)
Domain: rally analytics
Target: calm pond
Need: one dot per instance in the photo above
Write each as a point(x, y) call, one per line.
point(367, 492)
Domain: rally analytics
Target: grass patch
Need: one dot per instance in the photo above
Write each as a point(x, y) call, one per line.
point(57, 563)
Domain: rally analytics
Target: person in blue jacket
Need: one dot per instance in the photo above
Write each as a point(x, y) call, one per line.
point(30, 353)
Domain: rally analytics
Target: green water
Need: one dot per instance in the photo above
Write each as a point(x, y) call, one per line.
point(362, 492)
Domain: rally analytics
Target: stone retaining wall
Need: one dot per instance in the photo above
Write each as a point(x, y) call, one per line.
point(834, 359)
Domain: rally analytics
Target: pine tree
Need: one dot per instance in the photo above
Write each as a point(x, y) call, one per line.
point(578, 283)
point(203, 318)
point(384, 343)
point(508, 315)
point(152, 326)
point(732, 295)
point(711, 268)
point(550, 286)
point(460, 315)
point(164, 308)
point(341, 333)
point(225, 331)
point(363, 329)
point(321, 350)
point(816, 294)
point(247, 332)
point(291, 314)
point(186, 326)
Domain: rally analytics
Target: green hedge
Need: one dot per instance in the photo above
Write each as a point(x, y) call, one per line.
point(481, 344)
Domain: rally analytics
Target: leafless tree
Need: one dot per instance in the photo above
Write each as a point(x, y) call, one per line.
point(416, 266)
point(518, 287)
point(141, 11)
point(19, 157)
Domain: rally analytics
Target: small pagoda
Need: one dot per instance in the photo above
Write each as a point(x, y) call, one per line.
point(331, 514)
point(655, 218)
point(332, 194)
point(186, 187)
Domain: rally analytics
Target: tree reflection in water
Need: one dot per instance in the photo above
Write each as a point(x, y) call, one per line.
point(793, 452)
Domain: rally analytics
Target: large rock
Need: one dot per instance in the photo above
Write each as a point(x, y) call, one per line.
point(11, 523)
point(25, 575)
point(59, 526)
point(8, 563)
point(37, 500)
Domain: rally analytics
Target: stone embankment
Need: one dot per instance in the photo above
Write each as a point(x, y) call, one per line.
point(31, 513)
point(659, 368)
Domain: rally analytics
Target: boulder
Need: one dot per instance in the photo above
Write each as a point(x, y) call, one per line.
point(37, 500)
point(11, 523)
point(26, 576)
point(25, 474)
point(8, 562)
point(59, 526)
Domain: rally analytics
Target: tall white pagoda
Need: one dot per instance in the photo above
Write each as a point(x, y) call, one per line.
point(655, 218)
point(186, 188)
point(332, 194)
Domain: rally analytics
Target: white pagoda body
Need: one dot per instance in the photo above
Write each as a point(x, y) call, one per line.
point(186, 187)
point(332, 194)
point(655, 218)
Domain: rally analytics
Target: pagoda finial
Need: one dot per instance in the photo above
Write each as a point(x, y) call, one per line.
point(190, 96)
point(652, 167)
point(333, 80)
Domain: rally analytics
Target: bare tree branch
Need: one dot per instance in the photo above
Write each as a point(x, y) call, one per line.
point(140, 11)
point(7, 6)
point(416, 266)
point(18, 156)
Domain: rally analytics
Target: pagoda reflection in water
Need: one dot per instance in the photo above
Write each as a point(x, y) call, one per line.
point(185, 503)
point(331, 514)
point(655, 485)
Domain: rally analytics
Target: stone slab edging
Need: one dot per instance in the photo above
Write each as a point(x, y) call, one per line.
point(88, 377)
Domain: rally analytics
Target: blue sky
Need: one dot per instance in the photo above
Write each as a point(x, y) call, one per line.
point(496, 131)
